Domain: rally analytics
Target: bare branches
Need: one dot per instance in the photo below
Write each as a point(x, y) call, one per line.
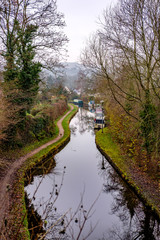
point(49, 38)
point(110, 68)
point(8, 112)
point(71, 223)
point(125, 50)
point(125, 54)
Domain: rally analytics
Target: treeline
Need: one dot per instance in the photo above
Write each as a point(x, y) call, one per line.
point(124, 55)
point(30, 40)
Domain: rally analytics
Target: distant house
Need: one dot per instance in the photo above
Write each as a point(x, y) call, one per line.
point(67, 90)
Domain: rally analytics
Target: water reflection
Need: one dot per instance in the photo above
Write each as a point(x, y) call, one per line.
point(65, 193)
point(103, 163)
point(84, 122)
point(45, 167)
point(35, 223)
point(137, 221)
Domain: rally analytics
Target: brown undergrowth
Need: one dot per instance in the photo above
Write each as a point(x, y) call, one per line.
point(144, 185)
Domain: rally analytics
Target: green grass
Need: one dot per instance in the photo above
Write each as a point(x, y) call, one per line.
point(28, 148)
point(110, 148)
point(55, 147)
point(121, 164)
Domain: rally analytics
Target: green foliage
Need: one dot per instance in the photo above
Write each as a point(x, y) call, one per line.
point(125, 131)
point(52, 148)
point(148, 117)
point(41, 125)
point(128, 107)
point(10, 70)
point(28, 74)
point(21, 77)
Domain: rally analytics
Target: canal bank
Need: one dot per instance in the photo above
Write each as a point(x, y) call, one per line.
point(14, 224)
point(82, 179)
point(145, 188)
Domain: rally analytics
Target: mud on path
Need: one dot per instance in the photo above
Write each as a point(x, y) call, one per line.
point(7, 181)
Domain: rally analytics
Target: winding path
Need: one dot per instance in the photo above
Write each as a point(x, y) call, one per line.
point(5, 195)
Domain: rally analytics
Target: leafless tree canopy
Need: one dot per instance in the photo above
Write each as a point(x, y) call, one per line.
point(126, 49)
point(49, 39)
point(132, 30)
point(124, 54)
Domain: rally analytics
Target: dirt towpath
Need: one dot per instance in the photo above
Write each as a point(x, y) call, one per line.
point(7, 181)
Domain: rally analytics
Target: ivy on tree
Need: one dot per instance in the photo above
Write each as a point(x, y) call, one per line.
point(148, 117)
point(21, 76)
point(28, 69)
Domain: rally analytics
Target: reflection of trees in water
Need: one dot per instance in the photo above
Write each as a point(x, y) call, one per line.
point(41, 212)
point(35, 223)
point(72, 223)
point(41, 169)
point(137, 221)
point(84, 120)
point(52, 225)
point(49, 225)
point(73, 129)
point(45, 221)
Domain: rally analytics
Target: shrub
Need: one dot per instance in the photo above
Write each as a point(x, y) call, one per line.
point(39, 123)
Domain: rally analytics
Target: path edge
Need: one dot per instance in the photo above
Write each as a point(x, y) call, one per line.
point(29, 164)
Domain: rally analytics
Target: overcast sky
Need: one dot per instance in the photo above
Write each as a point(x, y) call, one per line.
point(81, 17)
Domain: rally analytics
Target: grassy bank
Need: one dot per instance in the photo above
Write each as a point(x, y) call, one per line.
point(19, 212)
point(7, 156)
point(140, 183)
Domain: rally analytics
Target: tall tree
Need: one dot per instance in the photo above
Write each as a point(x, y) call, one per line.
point(125, 51)
point(49, 40)
point(31, 37)
point(28, 70)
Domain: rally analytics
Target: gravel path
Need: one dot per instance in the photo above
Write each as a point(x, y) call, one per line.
point(5, 195)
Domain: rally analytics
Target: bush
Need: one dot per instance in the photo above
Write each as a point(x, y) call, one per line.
point(39, 124)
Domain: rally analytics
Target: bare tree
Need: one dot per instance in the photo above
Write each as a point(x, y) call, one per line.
point(49, 40)
point(125, 52)
point(8, 112)
point(132, 29)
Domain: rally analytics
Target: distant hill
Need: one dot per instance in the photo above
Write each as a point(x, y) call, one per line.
point(72, 70)
point(67, 75)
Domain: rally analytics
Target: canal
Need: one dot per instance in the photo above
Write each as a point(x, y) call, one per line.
point(78, 195)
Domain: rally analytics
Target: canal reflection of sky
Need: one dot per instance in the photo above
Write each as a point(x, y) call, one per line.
point(85, 179)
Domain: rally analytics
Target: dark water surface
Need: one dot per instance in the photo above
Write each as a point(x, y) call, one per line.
point(84, 189)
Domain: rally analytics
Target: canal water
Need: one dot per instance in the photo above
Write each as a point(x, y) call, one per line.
point(78, 195)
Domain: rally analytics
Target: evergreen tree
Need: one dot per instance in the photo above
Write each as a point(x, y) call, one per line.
point(21, 77)
point(148, 117)
point(28, 70)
